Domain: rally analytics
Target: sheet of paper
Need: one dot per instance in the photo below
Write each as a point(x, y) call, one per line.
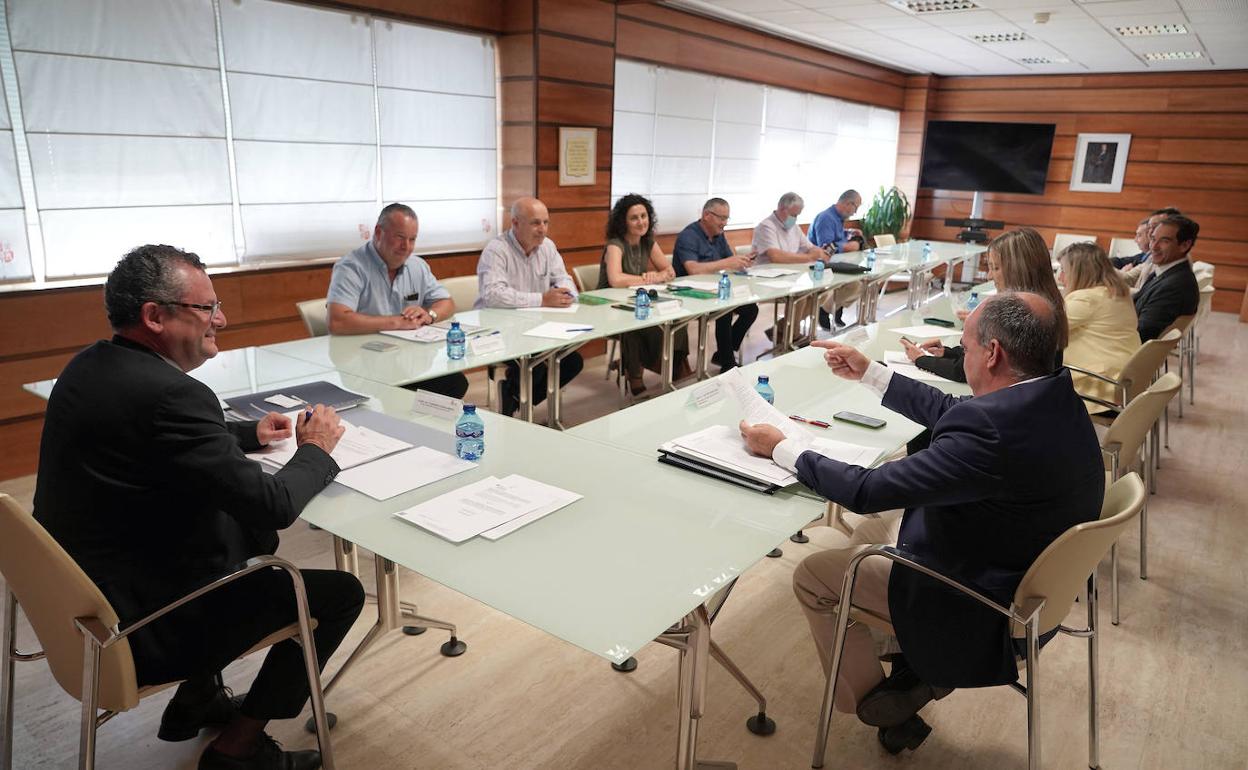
point(284, 402)
point(776, 284)
point(853, 454)
point(489, 343)
point(559, 498)
point(423, 334)
point(474, 508)
point(701, 284)
point(772, 272)
point(896, 357)
point(915, 373)
point(755, 409)
point(402, 472)
point(558, 331)
point(569, 309)
point(357, 446)
point(722, 445)
point(920, 333)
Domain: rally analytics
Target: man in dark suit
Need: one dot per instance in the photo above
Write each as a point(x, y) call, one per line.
point(1142, 239)
point(146, 486)
point(1008, 470)
point(1171, 291)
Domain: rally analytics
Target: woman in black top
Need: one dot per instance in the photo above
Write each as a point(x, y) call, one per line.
point(1017, 261)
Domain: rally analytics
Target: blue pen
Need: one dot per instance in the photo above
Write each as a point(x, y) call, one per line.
point(582, 329)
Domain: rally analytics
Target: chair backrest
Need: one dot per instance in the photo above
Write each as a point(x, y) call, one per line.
point(463, 289)
point(1204, 280)
point(1123, 247)
point(586, 276)
point(1206, 303)
point(1138, 372)
point(1130, 428)
point(1060, 572)
point(52, 591)
point(884, 239)
point(315, 316)
point(1181, 323)
point(1062, 240)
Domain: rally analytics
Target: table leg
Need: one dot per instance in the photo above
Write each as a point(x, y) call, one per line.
point(665, 365)
point(693, 659)
point(553, 401)
point(704, 326)
point(526, 388)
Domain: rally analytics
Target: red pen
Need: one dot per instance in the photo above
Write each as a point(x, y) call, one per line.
point(817, 423)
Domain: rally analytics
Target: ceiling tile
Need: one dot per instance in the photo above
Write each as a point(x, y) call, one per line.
point(1127, 7)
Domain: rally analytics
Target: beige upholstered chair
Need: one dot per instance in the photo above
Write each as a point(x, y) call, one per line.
point(315, 314)
point(587, 280)
point(463, 289)
point(1123, 247)
point(1122, 446)
point(1062, 240)
point(884, 239)
point(1202, 312)
point(1136, 375)
point(1063, 571)
point(586, 276)
point(1183, 324)
point(88, 654)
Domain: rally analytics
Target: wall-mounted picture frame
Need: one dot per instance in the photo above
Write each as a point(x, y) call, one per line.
point(578, 156)
point(1100, 162)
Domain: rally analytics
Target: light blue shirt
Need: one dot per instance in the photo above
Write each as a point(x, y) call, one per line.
point(361, 281)
point(828, 227)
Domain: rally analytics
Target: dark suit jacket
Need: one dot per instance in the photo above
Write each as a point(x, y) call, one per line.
point(1121, 262)
point(1164, 298)
point(1006, 473)
point(146, 486)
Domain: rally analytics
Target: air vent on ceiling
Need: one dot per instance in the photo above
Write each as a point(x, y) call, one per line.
point(1043, 60)
point(1001, 37)
point(1151, 30)
point(933, 6)
point(1172, 55)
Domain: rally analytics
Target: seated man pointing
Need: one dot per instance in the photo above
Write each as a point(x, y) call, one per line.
point(1008, 470)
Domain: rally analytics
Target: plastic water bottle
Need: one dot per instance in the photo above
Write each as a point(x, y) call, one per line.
point(871, 259)
point(470, 434)
point(455, 347)
point(764, 389)
point(927, 250)
point(973, 302)
point(725, 286)
point(641, 306)
point(818, 268)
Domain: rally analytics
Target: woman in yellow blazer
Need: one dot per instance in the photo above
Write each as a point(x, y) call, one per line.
point(1101, 317)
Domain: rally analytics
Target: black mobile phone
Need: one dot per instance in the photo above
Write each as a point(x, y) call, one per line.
point(860, 419)
point(939, 322)
point(629, 308)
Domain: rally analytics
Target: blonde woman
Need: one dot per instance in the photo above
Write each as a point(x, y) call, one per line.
point(1017, 261)
point(1101, 316)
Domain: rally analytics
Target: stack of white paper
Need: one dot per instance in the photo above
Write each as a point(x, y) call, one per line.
point(433, 332)
point(926, 330)
point(558, 331)
point(402, 472)
point(357, 446)
point(772, 272)
point(722, 446)
point(491, 507)
point(701, 284)
point(569, 309)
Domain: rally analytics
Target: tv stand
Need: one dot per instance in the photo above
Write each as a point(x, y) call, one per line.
point(976, 227)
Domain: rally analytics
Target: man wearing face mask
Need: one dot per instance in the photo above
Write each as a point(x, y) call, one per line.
point(778, 238)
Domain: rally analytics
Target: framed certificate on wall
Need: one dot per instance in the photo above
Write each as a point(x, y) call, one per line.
point(578, 156)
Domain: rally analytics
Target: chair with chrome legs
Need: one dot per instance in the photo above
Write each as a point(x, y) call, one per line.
point(1121, 446)
point(89, 655)
point(1060, 574)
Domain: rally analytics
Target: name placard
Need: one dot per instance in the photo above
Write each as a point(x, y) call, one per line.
point(491, 343)
point(437, 405)
point(706, 394)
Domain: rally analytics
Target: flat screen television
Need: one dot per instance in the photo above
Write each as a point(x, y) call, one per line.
point(986, 157)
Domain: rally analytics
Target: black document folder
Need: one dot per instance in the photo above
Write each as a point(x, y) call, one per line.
point(254, 406)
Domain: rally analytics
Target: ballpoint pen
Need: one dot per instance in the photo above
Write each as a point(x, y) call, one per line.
point(580, 329)
point(817, 423)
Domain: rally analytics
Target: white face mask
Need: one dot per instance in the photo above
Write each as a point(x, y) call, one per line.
point(789, 222)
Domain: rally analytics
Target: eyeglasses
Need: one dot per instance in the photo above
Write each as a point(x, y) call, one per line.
point(211, 310)
point(720, 217)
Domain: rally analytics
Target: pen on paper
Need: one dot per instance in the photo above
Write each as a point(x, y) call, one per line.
point(581, 329)
point(817, 423)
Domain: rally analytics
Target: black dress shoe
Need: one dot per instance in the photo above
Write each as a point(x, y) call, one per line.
point(899, 697)
point(509, 398)
point(907, 735)
point(181, 722)
point(269, 756)
point(825, 321)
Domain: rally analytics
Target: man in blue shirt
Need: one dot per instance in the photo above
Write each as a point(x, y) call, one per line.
point(381, 286)
point(828, 230)
point(702, 248)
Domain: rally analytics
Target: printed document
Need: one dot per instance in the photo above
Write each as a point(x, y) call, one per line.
point(558, 331)
point(918, 333)
point(357, 446)
point(472, 509)
point(901, 364)
point(402, 472)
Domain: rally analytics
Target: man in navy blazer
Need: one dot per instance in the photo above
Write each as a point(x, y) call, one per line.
point(1171, 290)
point(1008, 470)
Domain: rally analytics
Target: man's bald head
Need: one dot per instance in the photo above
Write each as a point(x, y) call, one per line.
point(1025, 326)
point(529, 223)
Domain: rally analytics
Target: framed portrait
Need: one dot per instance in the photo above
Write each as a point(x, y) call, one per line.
point(1100, 162)
point(578, 156)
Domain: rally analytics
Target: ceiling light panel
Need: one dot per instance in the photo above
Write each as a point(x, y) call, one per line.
point(933, 6)
point(1001, 37)
point(1151, 30)
point(1044, 60)
point(1173, 55)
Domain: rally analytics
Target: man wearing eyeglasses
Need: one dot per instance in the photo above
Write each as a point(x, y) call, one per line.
point(147, 488)
point(702, 248)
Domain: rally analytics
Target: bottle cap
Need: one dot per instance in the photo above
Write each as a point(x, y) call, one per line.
point(764, 378)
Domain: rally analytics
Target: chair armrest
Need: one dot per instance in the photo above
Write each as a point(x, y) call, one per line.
point(253, 564)
point(1100, 377)
point(1101, 401)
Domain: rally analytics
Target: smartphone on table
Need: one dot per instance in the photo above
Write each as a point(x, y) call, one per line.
point(860, 419)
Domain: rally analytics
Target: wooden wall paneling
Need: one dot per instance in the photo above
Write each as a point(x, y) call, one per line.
point(16, 372)
point(594, 19)
point(556, 197)
point(1141, 199)
point(518, 182)
point(517, 142)
point(1133, 81)
point(516, 56)
point(576, 229)
point(570, 104)
point(52, 319)
point(274, 298)
point(576, 60)
point(20, 439)
point(517, 100)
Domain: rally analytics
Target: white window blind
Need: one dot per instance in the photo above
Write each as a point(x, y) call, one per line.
point(681, 138)
point(325, 115)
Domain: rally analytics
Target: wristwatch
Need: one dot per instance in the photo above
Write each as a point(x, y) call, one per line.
point(434, 315)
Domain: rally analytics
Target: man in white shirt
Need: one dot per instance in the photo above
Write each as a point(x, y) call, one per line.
point(779, 238)
point(522, 268)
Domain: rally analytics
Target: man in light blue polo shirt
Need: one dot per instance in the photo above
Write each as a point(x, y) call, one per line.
point(381, 286)
point(828, 230)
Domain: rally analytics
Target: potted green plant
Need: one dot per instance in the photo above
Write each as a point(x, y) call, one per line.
point(888, 214)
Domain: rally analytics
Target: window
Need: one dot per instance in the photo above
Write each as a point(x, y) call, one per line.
point(683, 137)
point(242, 130)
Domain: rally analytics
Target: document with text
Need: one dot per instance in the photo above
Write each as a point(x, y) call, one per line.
point(357, 446)
point(475, 508)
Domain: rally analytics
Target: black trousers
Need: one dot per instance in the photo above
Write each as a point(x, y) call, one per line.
point(197, 640)
point(452, 385)
point(568, 369)
point(729, 333)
